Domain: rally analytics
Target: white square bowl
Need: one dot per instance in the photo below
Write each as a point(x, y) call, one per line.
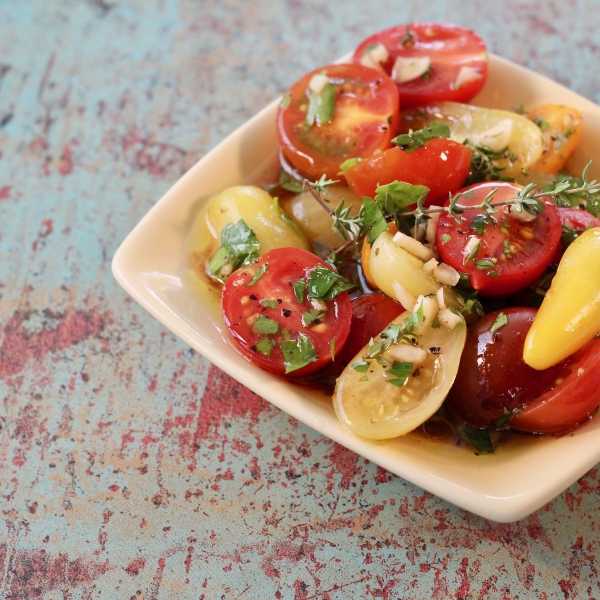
point(508, 485)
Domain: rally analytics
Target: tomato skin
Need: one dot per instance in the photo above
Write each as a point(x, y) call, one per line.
point(365, 121)
point(569, 403)
point(577, 219)
point(240, 305)
point(531, 246)
point(492, 375)
point(371, 314)
point(442, 165)
point(449, 48)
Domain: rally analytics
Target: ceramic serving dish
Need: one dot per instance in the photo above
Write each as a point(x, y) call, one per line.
point(508, 485)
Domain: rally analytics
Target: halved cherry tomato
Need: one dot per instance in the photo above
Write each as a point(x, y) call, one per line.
point(511, 254)
point(442, 165)
point(365, 120)
point(458, 61)
point(493, 377)
point(266, 321)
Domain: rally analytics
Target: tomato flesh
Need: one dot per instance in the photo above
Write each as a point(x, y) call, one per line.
point(441, 164)
point(449, 48)
point(493, 377)
point(365, 120)
point(273, 297)
point(512, 254)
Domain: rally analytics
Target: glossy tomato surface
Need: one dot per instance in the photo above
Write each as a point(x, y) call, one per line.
point(448, 47)
point(492, 375)
point(441, 164)
point(503, 256)
point(569, 403)
point(266, 321)
point(371, 314)
point(365, 120)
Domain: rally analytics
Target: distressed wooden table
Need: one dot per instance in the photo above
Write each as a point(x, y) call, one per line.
point(132, 468)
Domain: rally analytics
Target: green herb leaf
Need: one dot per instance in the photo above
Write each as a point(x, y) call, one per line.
point(311, 316)
point(412, 140)
point(479, 223)
point(265, 346)
point(478, 437)
point(362, 366)
point(299, 290)
point(332, 349)
point(400, 194)
point(374, 221)
point(324, 284)
point(259, 273)
point(500, 321)
point(485, 263)
point(267, 303)
point(239, 247)
point(298, 353)
point(285, 100)
point(321, 106)
point(401, 370)
point(349, 163)
point(264, 325)
point(446, 237)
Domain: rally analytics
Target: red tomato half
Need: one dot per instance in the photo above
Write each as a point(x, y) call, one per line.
point(493, 376)
point(449, 49)
point(512, 254)
point(365, 120)
point(265, 319)
point(442, 165)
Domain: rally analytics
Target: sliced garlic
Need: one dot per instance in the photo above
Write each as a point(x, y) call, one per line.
point(403, 296)
point(409, 69)
point(408, 353)
point(413, 246)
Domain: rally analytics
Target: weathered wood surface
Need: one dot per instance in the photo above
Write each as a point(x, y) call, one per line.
point(130, 467)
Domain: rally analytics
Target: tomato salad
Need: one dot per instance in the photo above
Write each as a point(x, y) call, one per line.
point(420, 255)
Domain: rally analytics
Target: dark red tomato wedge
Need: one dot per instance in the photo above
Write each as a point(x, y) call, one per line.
point(365, 120)
point(503, 257)
point(493, 377)
point(271, 327)
point(441, 164)
point(371, 314)
point(458, 61)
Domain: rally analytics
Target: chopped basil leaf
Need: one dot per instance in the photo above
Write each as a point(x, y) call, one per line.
point(239, 247)
point(436, 323)
point(478, 437)
point(299, 290)
point(398, 194)
point(362, 366)
point(312, 315)
point(401, 370)
point(325, 284)
point(374, 221)
point(478, 224)
point(298, 353)
point(259, 273)
point(541, 123)
point(485, 263)
point(268, 303)
point(287, 182)
point(285, 334)
point(409, 142)
point(349, 163)
point(265, 346)
point(364, 378)
point(508, 414)
point(265, 325)
point(500, 321)
point(446, 238)
point(321, 106)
